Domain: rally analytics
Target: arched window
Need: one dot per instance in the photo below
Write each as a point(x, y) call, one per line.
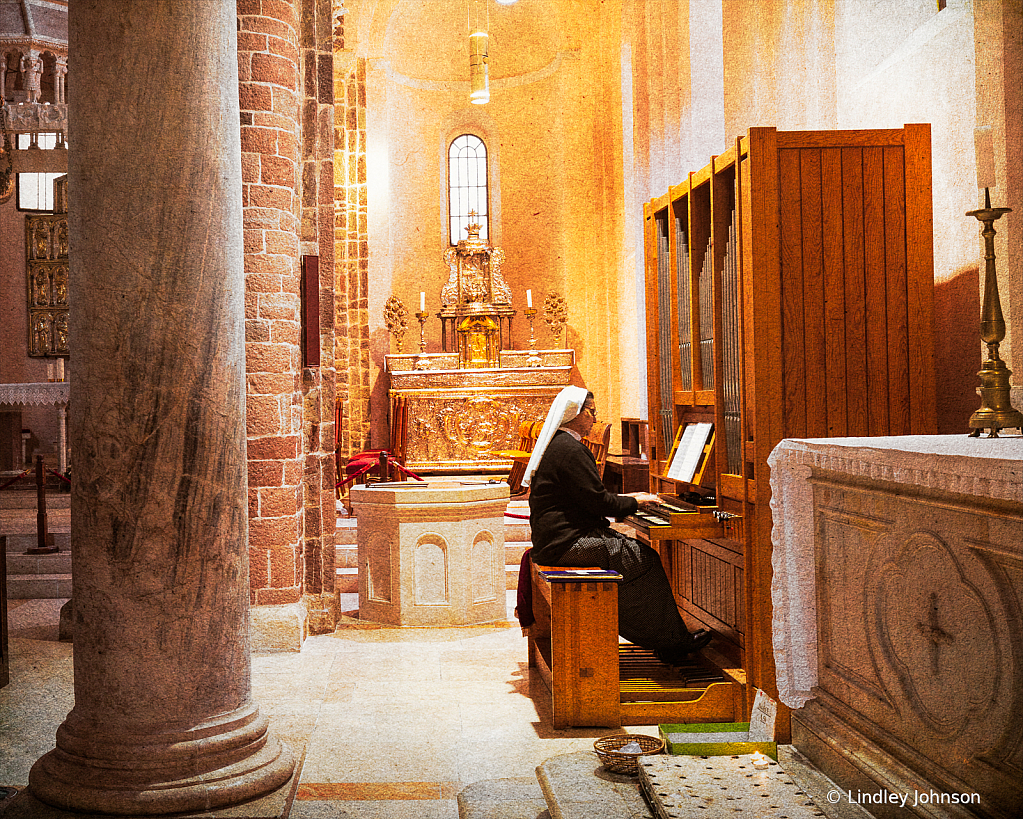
point(467, 187)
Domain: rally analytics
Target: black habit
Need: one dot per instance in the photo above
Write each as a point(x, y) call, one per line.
point(568, 514)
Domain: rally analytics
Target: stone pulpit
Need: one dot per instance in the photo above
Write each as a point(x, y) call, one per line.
point(451, 410)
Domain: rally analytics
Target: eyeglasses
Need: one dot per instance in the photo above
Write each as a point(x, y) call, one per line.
point(592, 411)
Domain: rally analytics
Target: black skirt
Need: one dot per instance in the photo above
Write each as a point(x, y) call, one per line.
point(647, 614)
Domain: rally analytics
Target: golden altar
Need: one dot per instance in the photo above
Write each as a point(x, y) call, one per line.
point(449, 411)
point(448, 419)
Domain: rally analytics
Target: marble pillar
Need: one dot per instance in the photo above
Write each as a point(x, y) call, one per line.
point(164, 720)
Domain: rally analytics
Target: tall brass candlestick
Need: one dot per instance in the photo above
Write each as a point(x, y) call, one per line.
point(533, 359)
point(996, 411)
point(421, 362)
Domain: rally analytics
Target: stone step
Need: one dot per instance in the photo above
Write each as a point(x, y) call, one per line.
point(577, 786)
point(20, 542)
point(26, 498)
point(514, 798)
point(346, 581)
point(38, 586)
point(346, 533)
point(54, 563)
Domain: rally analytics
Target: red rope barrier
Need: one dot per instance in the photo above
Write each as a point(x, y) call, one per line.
point(374, 465)
point(14, 479)
point(513, 515)
point(59, 475)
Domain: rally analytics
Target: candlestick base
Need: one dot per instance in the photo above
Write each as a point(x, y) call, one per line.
point(996, 411)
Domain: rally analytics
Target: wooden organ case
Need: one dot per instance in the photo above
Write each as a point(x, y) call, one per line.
point(789, 294)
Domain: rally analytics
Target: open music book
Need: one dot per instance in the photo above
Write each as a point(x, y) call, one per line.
point(689, 450)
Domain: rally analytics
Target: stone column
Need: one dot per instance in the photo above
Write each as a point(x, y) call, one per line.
point(164, 719)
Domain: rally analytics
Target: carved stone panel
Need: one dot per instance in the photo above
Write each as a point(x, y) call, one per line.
point(376, 563)
point(482, 567)
point(430, 571)
point(920, 629)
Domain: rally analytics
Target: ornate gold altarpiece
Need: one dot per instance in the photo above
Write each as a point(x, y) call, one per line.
point(450, 410)
point(455, 417)
point(46, 241)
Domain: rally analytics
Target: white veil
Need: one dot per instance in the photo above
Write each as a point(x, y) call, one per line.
point(567, 405)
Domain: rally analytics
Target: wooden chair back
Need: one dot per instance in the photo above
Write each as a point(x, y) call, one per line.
point(598, 442)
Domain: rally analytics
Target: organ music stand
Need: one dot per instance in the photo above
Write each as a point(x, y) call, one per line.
point(690, 453)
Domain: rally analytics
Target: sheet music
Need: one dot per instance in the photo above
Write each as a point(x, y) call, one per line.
point(687, 455)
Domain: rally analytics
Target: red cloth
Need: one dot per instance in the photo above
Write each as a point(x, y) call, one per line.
point(524, 594)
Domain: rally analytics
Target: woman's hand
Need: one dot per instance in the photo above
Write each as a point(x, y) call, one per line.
point(644, 497)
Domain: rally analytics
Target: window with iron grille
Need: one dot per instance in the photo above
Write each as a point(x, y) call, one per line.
point(467, 187)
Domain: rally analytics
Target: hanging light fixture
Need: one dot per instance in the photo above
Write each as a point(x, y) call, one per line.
point(479, 69)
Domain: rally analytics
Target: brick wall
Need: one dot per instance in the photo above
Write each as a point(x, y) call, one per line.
point(317, 239)
point(269, 90)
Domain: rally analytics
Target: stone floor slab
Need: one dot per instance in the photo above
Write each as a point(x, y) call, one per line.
point(577, 786)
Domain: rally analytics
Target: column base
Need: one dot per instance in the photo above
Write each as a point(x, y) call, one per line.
point(228, 761)
point(274, 805)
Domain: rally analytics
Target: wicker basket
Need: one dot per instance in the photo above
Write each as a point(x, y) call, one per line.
point(613, 759)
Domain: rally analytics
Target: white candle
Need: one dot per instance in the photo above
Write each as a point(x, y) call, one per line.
point(422, 302)
point(529, 298)
point(49, 372)
point(60, 369)
point(985, 147)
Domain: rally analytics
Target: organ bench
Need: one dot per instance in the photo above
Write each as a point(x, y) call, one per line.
point(594, 679)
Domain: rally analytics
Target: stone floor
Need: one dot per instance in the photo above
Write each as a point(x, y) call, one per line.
point(388, 722)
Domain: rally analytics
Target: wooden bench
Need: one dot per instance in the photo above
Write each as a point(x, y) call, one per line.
point(595, 680)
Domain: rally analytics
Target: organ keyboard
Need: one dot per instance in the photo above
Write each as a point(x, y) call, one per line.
point(675, 519)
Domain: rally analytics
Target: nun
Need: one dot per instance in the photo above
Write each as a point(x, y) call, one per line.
point(568, 514)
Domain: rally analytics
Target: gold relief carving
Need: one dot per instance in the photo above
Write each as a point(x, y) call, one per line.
point(40, 286)
point(427, 444)
point(396, 319)
point(60, 285)
point(474, 273)
point(41, 333)
point(478, 425)
point(47, 278)
point(39, 242)
point(458, 433)
point(60, 239)
point(555, 310)
point(60, 332)
point(427, 380)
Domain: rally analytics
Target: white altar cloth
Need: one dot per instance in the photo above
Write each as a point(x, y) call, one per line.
point(54, 393)
point(982, 467)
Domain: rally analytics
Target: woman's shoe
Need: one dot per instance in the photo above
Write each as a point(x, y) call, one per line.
point(679, 655)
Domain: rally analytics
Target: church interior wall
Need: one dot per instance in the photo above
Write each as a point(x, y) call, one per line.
point(596, 107)
point(846, 64)
point(16, 365)
point(547, 133)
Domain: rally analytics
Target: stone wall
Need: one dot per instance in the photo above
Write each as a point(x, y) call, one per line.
point(317, 239)
point(268, 75)
point(286, 92)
